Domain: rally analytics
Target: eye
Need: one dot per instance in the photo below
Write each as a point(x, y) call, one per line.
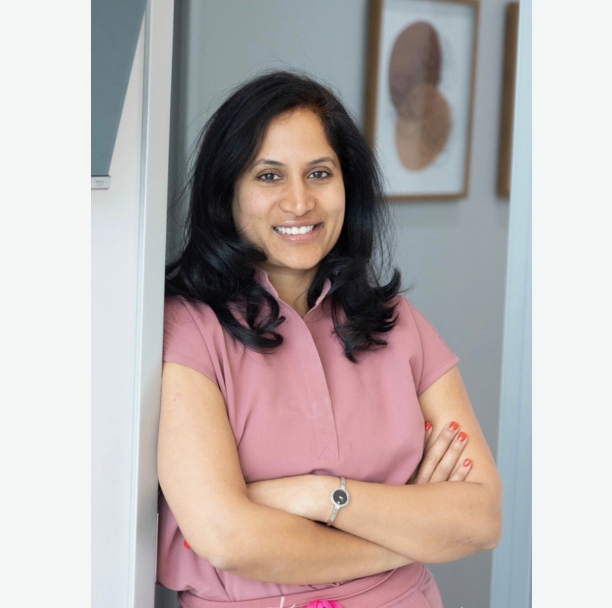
point(268, 177)
point(320, 174)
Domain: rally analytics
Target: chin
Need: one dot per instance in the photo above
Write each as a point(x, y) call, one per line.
point(288, 265)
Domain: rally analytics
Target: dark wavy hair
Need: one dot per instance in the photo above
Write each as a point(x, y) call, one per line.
point(216, 265)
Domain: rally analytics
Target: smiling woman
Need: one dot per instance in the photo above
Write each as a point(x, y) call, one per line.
point(290, 203)
point(279, 145)
point(299, 388)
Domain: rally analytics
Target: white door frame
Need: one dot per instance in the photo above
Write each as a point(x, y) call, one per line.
point(511, 574)
point(158, 29)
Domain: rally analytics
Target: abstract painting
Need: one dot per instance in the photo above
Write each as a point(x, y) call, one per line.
point(419, 95)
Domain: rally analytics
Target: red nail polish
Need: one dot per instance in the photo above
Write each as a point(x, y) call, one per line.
point(427, 425)
point(186, 545)
point(453, 426)
point(462, 436)
point(467, 462)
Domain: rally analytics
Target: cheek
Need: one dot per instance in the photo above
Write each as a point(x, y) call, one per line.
point(238, 208)
point(240, 220)
point(236, 216)
point(338, 223)
point(248, 216)
point(340, 210)
point(341, 198)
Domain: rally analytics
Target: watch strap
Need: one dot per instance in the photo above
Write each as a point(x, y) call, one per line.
point(338, 506)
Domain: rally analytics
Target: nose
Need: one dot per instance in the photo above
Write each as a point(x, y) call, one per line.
point(298, 198)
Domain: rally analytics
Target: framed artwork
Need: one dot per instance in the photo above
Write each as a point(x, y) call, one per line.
point(419, 95)
point(507, 115)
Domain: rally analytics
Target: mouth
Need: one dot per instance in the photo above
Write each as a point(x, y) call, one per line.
point(293, 230)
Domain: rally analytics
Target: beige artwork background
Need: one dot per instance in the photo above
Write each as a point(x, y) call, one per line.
point(423, 121)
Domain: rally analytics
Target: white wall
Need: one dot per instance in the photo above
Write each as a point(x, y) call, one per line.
point(128, 225)
point(114, 271)
point(511, 581)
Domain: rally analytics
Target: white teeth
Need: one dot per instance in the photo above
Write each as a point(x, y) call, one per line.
point(294, 229)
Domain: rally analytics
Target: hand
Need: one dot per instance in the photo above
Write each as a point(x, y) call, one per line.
point(441, 460)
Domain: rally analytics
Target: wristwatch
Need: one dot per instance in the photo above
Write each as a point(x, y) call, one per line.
point(339, 498)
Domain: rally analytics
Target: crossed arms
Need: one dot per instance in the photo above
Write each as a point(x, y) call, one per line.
point(269, 530)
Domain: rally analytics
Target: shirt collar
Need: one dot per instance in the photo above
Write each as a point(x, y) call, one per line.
point(261, 277)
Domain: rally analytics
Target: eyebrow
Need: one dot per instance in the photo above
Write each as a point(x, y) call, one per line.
point(323, 159)
point(275, 163)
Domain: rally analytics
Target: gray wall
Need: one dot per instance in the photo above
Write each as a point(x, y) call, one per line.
point(115, 25)
point(454, 253)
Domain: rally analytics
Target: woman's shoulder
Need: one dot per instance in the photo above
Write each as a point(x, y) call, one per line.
point(191, 331)
point(403, 307)
point(178, 310)
point(409, 317)
point(181, 303)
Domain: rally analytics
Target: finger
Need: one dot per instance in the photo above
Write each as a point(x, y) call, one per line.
point(426, 438)
point(462, 470)
point(449, 461)
point(428, 431)
point(435, 453)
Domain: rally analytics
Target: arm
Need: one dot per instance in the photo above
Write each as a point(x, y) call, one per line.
point(200, 476)
point(429, 522)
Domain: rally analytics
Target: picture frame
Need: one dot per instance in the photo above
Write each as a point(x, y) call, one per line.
point(507, 113)
point(421, 70)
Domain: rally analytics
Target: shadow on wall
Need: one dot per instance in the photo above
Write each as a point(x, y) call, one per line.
point(165, 598)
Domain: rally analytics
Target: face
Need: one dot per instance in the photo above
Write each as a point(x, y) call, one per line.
point(290, 201)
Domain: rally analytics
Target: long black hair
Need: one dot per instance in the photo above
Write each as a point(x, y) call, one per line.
point(217, 266)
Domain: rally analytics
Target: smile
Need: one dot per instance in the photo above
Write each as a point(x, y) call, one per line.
point(295, 229)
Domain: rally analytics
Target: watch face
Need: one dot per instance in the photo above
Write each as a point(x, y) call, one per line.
point(340, 497)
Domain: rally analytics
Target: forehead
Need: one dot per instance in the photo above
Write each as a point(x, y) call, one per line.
point(301, 126)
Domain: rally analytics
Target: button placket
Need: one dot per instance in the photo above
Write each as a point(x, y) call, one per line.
point(315, 383)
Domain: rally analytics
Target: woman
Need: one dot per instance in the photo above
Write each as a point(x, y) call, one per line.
point(296, 385)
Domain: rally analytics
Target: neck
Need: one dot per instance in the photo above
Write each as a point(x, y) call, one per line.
point(292, 287)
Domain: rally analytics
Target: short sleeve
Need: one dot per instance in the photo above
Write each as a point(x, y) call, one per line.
point(437, 357)
point(184, 342)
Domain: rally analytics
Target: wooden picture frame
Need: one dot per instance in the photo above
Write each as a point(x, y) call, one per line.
point(507, 114)
point(421, 70)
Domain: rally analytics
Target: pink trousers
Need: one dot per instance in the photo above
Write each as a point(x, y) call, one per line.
point(409, 587)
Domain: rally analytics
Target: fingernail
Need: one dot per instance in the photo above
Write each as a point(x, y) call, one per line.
point(427, 425)
point(467, 462)
point(453, 426)
point(462, 436)
point(188, 546)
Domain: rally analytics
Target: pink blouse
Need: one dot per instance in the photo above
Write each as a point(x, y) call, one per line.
point(303, 409)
